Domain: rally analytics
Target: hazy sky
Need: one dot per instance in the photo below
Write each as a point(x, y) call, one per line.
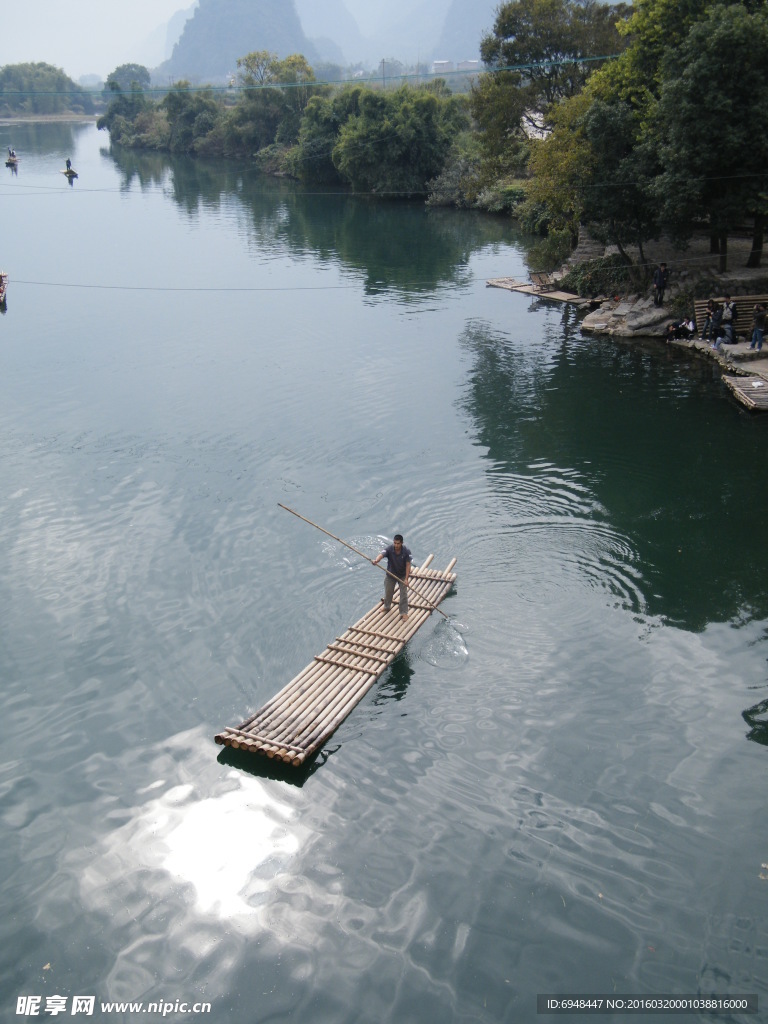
point(86, 37)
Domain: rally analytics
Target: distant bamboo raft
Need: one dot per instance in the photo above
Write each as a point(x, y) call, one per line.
point(308, 710)
point(751, 391)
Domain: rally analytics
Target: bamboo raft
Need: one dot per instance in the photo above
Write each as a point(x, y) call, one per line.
point(307, 711)
point(751, 391)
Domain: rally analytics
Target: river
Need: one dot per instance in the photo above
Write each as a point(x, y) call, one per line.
point(559, 790)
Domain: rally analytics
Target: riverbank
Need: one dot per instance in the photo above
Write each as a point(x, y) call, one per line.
point(46, 118)
point(694, 274)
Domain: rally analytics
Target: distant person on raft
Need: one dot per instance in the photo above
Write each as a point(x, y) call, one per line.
point(399, 565)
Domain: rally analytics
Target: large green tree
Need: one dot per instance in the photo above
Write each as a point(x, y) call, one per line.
point(191, 115)
point(539, 53)
point(128, 77)
point(323, 119)
point(551, 46)
point(669, 137)
point(713, 127)
point(274, 95)
point(398, 140)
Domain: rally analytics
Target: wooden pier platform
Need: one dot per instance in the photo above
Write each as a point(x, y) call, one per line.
point(750, 390)
point(538, 290)
point(308, 710)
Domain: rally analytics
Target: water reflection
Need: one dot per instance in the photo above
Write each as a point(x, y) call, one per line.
point(757, 719)
point(227, 846)
point(561, 401)
point(43, 138)
point(278, 771)
point(394, 684)
point(394, 245)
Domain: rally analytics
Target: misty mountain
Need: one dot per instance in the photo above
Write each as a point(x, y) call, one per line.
point(465, 25)
point(175, 27)
point(212, 34)
point(408, 30)
point(220, 31)
point(332, 29)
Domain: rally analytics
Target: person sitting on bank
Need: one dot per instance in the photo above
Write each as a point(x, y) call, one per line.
point(399, 566)
point(681, 329)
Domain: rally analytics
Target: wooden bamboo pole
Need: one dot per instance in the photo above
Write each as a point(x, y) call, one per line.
point(286, 717)
point(337, 710)
point(359, 654)
point(301, 737)
point(340, 712)
point(296, 716)
point(351, 548)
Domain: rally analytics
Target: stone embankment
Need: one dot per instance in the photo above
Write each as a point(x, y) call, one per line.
point(633, 316)
point(694, 275)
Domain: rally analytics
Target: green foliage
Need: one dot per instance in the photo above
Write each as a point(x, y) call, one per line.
point(256, 69)
point(449, 188)
point(550, 42)
point(40, 89)
point(273, 160)
point(549, 253)
point(498, 106)
point(561, 164)
point(711, 128)
point(504, 197)
point(322, 121)
point(121, 114)
point(127, 78)
point(534, 218)
point(617, 198)
point(458, 184)
point(609, 275)
point(668, 138)
point(275, 95)
point(655, 28)
point(253, 122)
point(397, 141)
point(548, 48)
point(191, 116)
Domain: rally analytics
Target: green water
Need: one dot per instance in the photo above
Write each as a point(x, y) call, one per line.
point(560, 790)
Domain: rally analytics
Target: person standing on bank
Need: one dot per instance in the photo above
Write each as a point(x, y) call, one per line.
point(399, 565)
point(758, 327)
point(660, 281)
point(730, 316)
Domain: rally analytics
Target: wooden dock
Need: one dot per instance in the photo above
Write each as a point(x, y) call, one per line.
point(537, 289)
point(308, 710)
point(750, 390)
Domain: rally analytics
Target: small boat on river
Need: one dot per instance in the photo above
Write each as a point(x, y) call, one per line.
point(3, 287)
point(70, 173)
point(13, 160)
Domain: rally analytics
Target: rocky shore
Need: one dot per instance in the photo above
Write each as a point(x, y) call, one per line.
point(694, 275)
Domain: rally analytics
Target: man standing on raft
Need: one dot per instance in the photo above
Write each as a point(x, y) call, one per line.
point(399, 565)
